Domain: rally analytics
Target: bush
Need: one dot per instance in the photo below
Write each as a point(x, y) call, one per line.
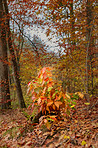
point(47, 97)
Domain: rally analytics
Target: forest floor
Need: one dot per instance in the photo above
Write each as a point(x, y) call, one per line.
point(80, 130)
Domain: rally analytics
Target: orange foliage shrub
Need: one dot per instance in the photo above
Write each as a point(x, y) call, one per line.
point(46, 96)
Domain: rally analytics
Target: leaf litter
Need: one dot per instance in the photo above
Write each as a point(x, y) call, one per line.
point(78, 130)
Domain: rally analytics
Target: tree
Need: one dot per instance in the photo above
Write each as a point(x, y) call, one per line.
point(4, 80)
point(90, 43)
point(13, 58)
point(72, 22)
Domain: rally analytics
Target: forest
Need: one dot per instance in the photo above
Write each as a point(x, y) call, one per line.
point(48, 73)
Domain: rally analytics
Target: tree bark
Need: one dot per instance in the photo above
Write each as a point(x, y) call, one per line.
point(89, 43)
point(72, 25)
point(13, 58)
point(4, 81)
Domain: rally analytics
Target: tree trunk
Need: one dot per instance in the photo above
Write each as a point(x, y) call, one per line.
point(4, 81)
point(13, 58)
point(89, 42)
point(72, 25)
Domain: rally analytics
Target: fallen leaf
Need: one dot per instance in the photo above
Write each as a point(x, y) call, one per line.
point(83, 143)
point(66, 137)
point(87, 103)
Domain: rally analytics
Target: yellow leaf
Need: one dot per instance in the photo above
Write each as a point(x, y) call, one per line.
point(83, 142)
point(76, 121)
point(72, 106)
point(66, 137)
point(87, 103)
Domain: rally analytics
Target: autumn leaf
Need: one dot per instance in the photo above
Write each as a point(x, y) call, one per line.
point(72, 106)
point(87, 103)
point(66, 137)
point(48, 125)
point(48, 32)
point(80, 95)
point(54, 107)
point(83, 143)
point(50, 102)
point(57, 103)
point(67, 95)
point(47, 108)
point(49, 89)
point(39, 101)
point(54, 94)
point(53, 118)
